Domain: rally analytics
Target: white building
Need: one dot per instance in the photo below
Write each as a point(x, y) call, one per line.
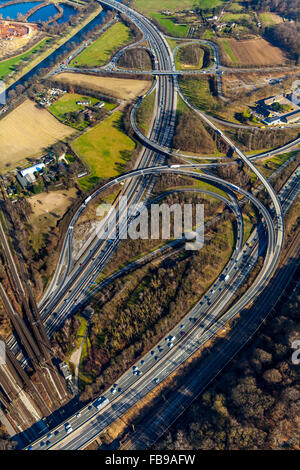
point(26, 177)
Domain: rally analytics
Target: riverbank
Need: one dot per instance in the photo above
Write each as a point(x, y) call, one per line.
point(60, 42)
point(7, 65)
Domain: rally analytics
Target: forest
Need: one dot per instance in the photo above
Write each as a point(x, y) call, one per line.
point(286, 36)
point(255, 403)
point(287, 8)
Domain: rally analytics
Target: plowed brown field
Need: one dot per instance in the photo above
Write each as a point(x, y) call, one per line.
point(256, 52)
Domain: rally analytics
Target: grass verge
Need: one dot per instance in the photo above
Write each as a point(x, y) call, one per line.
point(99, 52)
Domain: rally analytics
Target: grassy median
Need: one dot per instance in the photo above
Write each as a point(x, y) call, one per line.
point(99, 52)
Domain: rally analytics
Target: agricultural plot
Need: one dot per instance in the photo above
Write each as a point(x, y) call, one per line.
point(121, 88)
point(150, 6)
point(27, 132)
point(251, 52)
point(100, 51)
point(235, 17)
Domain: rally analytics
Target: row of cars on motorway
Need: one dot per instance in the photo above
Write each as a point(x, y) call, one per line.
point(147, 362)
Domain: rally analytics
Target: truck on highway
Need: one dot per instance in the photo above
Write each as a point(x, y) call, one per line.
point(174, 166)
point(101, 403)
point(68, 428)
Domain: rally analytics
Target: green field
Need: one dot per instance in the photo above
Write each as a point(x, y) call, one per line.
point(173, 29)
point(105, 149)
point(68, 104)
point(208, 4)
point(235, 17)
point(270, 19)
point(7, 66)
point(173, 43)
point(199, 184)
point(235, 7)
point(154, 6)
point(267, 167)
point(208, 34)
point(100, 51)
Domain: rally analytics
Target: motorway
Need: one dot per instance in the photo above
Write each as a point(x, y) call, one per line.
point(198, 330)
point(233, 269)
point(207, 317)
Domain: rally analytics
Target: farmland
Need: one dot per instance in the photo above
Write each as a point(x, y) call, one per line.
point(235, 17)
point(251, 52)
point(99, 52)
point(104, 149)
point(153, 6)
point(121, 88)
point(26, 132)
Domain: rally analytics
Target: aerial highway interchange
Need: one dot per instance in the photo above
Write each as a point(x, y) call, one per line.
point(231, 310)
point(71, 289)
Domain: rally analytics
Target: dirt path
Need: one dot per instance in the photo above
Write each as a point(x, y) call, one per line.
point(75, 359)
